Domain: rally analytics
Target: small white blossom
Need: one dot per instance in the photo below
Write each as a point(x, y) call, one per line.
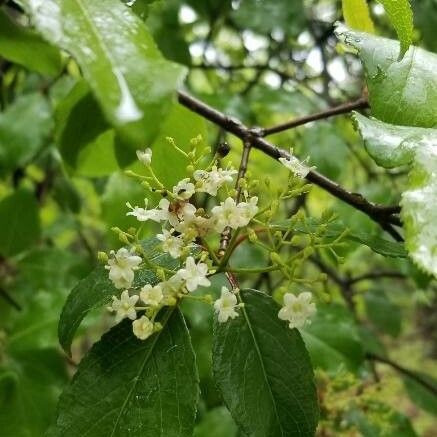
point(143, 328)
point(171, 244)
point(226, 305)
point(184, 189)
point(152, 296)
point(145, 156)
point(194, 274)
point(144, 214)
point(234, 215)
point(125, 306)
point(121, 267)
point(171, 286)
point(297, 309)
point(210, 182)
point(295, 166)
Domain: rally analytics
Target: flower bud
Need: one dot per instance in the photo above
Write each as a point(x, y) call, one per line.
point(276, 258)
point(190, 169)
point(251, 234)
point(102, 257)
point(161, 274)
point(308, 251)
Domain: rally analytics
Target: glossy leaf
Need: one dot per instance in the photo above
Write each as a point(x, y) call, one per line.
point(125, 386)
point(401, 16)
point(21, 45)
point(96, 290)
point(18, 212)
point(264, 372)
point(357, 15)
point(129, 78)
point(402, 92)
point(24, 127)
point(333, 340)
point(392, 146)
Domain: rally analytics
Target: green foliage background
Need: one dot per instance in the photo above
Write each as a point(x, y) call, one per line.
point(65, 144)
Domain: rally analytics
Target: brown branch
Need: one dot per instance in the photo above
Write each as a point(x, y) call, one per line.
point(376, 275)
point(410, 373)
point(344, 108)
point(383, 215)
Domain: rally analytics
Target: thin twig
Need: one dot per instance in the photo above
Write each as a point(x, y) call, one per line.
point(410, 373)
point(10, 300)
point(376, 275)
point(383, 215)
point(344, 108)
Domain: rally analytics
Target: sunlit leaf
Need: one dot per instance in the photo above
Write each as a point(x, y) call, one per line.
point(357, 15)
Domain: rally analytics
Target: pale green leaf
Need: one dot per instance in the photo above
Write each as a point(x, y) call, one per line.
point(130, 79)
point(21, 45)
point(357, 15)
point(392, 146)
point(401, 16)
point(264, 372)
point(400, 92)
point(129, 387)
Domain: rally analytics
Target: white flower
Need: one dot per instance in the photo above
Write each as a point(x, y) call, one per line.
point(234, 215)
point(171, 244)
point(144, 214)
point(145, 156)
point(194, 274)
point(172, 286)
point(125, 306)
point(184, 189)
point(297, 309)
point(121, 267)
point(210, 182)
point(152, 296)
point(295, 166)
point(226, 305)
point(143, 328)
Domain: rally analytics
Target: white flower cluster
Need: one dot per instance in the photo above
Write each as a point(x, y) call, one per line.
point(297, 309)
point(182, 224)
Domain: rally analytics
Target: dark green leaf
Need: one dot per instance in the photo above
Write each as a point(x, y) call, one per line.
point(20, 45)
point(264, 372)
point(333, 340)
point(24, 126)
point(420, 395)
point(19, 222)
point(130, 79)
point(383, 313)
point(125, 386)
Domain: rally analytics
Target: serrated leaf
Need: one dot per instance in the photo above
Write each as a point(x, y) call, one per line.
point(356, 14)
point(401, 16)
point(402, 92)
point(392, 146)
point(333, 340)
point(21, 45)
point(24, 126)
point(130, 79)
point(96, 290)
point(131, 387)
point(19, 222)
point(264, 372)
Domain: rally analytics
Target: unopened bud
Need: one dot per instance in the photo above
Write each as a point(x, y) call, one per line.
point(190, 169)
point(161, 274)
point(102, 257)
point(308, 251)
point(157, 327)
point(276, 258)
point(251, 234)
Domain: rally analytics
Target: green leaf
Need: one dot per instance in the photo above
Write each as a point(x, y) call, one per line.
point(30, 384)
point(85, 139)
point(130, 79)
point(216, 423)
point(401, 16)
point(356, 14)
point(21, 45)
point(96, 290)
point(24, 126)
point(264, 372)
point(392, 146)
point(402, 92)
point(333, 340)
point(421, 396)
point(125, 386)
point(19, 222)
point(383, 313)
